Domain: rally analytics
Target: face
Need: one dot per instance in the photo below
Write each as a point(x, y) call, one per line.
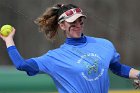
point(74, 29)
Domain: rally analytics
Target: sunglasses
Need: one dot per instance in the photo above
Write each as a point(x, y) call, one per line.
point(72, 12)
point(69, 13)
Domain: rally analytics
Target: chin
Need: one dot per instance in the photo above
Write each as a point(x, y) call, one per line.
point(77, 36)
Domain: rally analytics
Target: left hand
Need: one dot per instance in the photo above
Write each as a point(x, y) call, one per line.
point(136, 84)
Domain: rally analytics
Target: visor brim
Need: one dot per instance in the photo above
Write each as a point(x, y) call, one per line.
point(74, 17)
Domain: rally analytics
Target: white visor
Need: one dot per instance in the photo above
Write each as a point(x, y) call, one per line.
point(74, 17)
point(71, 18)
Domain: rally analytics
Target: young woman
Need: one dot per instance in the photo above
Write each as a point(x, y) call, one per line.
point(81, 64)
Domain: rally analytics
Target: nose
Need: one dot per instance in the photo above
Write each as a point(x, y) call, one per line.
point(78, 23)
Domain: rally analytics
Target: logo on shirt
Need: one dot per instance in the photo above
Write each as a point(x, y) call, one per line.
point(93, 67)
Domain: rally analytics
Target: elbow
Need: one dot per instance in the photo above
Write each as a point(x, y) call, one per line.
point(30, 70)
point(30, 67)
point(18, 67)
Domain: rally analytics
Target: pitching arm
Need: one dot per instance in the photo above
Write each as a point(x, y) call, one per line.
point(30, 66)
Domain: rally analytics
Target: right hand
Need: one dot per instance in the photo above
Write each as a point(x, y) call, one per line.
point(10, 36)
point(9, 39)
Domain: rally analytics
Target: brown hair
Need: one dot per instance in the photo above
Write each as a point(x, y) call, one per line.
point(48, 21)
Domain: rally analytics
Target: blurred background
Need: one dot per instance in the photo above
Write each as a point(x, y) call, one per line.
point(116, 20)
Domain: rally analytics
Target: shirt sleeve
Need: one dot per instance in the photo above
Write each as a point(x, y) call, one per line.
point(29, 65)
point(45, 63)
point(117, 68)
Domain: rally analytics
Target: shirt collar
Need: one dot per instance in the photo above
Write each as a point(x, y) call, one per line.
point(76, 41)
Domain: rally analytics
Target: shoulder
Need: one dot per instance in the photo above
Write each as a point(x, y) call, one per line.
point(54, 52)
point(101, 41)
point(104, 41)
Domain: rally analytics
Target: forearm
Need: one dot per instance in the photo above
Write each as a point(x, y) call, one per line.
point(133, 74)
point(120, 69)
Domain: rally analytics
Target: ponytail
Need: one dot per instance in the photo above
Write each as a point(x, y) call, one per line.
point(48, 23)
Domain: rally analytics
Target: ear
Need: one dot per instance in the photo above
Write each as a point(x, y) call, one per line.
point(62, 26)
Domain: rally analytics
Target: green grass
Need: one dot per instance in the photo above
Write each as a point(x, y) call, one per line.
point(112, 91)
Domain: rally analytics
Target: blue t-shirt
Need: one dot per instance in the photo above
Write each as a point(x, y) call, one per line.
point(80, 65)
point(82, 68)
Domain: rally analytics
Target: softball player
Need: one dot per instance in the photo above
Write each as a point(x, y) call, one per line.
point(81, 64)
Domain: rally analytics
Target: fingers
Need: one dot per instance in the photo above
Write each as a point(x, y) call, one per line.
point(13, 32)
point(136, 84)
point(2, 37)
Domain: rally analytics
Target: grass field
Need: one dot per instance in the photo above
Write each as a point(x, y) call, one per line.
point(112, 91)
point(115, 91)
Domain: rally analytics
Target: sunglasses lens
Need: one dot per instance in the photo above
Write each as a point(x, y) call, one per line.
point(69, 13)
point(78, 10)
